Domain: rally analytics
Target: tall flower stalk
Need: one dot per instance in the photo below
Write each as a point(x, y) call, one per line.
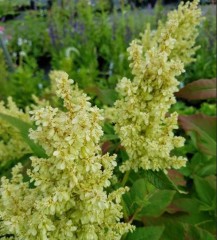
point(68, 198)
point(140, 116)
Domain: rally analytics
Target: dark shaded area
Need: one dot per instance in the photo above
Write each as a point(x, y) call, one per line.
point(44, 62)
point(7, 236)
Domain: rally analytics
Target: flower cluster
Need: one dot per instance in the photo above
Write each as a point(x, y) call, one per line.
point(140, 116)
point(178, 34)
point(11, 142)
point(66, 197)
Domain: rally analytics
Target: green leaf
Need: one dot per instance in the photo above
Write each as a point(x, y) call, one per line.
point(109, 137)
point(209, 168)
point(194, 232)
point(205, 191)
point(205, 129)
point(173, 228)
point(144, 199)
point(188, 211)
point(145, 233)
point(160, 180)
point(185, 231)
point(136, 198)
point(209, 225)
point(202, 165)
point(123, 154)
point(108, 128)
point(200, 89)
point(107, 96)
point(23, 128)
point(159, 200)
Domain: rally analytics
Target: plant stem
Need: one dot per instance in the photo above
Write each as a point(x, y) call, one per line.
point(134, 215)
point(125, 178)
point(6, 54)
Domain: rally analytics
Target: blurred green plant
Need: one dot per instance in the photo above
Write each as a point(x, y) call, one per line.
point(6, 8)
point(90, 44)
point(205, 65)
point(3, 75)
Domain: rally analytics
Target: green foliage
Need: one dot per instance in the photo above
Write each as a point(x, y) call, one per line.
point(153, 233)
point(205, 191)
point(202, 130)
point(184, 231)
point(100, 40)
point(159, 200)
point(198, 222)
point(6, 8)
point(24, 128)
point(204, 66)
point(26, 81)
point(3, 75)
point(201, 165)
point(160, 180)
point(144, 200)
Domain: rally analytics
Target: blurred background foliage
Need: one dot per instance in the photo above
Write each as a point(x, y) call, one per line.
point(88, 40)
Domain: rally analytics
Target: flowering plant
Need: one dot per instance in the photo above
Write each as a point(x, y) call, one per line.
point(140, 115)
point(67, 200)
point(73, 191)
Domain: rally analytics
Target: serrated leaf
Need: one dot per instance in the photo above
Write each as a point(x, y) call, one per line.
point(23, 128)
point(152, 233)
point(200, 89)
point(205, 129)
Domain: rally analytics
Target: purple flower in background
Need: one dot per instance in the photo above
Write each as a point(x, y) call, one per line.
point(79, 28)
